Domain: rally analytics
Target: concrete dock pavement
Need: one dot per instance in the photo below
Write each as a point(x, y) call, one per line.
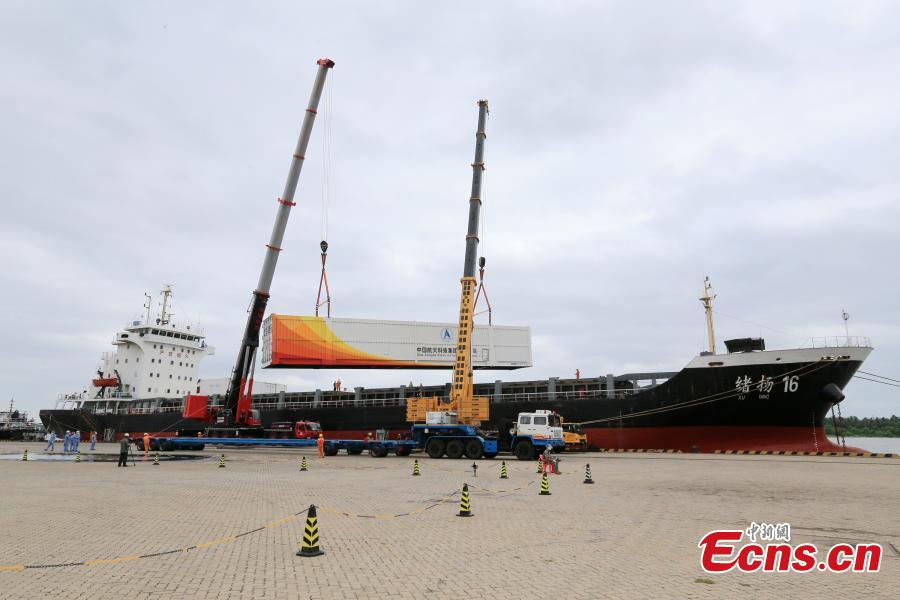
point(187, 529)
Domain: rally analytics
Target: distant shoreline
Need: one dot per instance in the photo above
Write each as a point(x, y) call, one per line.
point(886, 427)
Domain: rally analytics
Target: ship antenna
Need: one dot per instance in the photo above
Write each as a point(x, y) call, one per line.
point(707, 299)
point(846, 316)
point(147, 305)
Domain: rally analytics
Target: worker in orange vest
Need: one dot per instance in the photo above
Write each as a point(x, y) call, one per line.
point(146, 442)
point(320, 443)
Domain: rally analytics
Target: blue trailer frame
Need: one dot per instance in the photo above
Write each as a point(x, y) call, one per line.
point(454, 441)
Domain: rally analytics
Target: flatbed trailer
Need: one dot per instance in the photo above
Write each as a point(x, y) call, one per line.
point(377, 448)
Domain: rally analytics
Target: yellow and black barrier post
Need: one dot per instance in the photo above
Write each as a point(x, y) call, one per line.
point(503, 473)
point(25, 454)
point(545, 486)
point(303, 465)
point(222, 462)
point(465, 505)
point(309, 546)
point(587, 474)
point(156, 460)
point(416, 467)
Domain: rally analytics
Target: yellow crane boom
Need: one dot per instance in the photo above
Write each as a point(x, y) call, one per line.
point(469, 409)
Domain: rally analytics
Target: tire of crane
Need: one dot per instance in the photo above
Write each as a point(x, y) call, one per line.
point(377, 451)
point(474, 449)
point(490, 455)
point(403, 450)
point(330, 450)
point(455, 449)
point(524, 450)
point(354, 451)
point(434, 448)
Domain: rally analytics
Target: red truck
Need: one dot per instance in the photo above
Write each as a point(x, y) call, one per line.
point(286, 430)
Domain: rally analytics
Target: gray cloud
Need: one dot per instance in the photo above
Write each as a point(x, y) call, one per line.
point(632, 149)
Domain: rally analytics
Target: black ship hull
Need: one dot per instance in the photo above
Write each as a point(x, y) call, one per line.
point(743, 403)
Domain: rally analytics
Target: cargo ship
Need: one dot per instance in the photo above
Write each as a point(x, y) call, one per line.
point(748, 398)
point(17, 425)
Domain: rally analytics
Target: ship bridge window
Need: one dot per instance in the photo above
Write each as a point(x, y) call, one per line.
point(524, 420)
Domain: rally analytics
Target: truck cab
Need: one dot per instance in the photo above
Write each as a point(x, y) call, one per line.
point(300, 430)
point(535, 431)
point(306, 430)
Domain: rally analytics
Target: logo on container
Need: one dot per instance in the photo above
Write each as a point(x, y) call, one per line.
point(721, 551)
point(447, 336)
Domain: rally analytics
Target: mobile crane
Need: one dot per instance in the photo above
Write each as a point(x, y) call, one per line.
point(451, 424)
point(235, 417)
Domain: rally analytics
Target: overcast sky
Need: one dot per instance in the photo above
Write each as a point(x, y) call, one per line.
point(633, 148)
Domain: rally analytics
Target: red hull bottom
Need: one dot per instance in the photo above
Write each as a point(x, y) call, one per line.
point(710, 439)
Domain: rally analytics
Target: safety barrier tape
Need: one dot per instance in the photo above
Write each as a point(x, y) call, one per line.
point(226, 539)
point(506, 491)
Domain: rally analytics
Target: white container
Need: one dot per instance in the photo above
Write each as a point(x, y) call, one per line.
point(320, 343)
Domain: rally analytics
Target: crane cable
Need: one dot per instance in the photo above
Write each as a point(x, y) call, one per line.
point(481, 260)
point(326, 193)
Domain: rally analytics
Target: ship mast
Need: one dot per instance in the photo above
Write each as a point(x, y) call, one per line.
point(163, 315)
point(707, 299)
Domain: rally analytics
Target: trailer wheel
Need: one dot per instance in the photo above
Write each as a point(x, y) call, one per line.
point(330, 450)
point(455, 449)
point(403, 450)
point(474, 449)
point(524, 450)
point(354, 450)
point(377, 451)
point(490, 455)
point(435, 448)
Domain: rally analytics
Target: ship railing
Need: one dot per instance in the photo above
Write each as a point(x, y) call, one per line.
point(839, 341)
point(131, 410)
point(524, 397)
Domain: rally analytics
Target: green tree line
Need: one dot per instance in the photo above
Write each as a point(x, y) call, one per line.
point(865, 426)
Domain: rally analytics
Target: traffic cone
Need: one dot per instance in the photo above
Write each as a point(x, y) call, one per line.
point(540, 464)
point(310, 544)
point(156, 460)
point(503, 473)
point(464, 503)
point(303, 466)
point(25, 454)
point(222, 462)
point(416, 468)
point(78, 456)
point(587, 474)
point(545, 486)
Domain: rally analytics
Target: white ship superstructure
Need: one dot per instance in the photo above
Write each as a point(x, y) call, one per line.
point(155, 360)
